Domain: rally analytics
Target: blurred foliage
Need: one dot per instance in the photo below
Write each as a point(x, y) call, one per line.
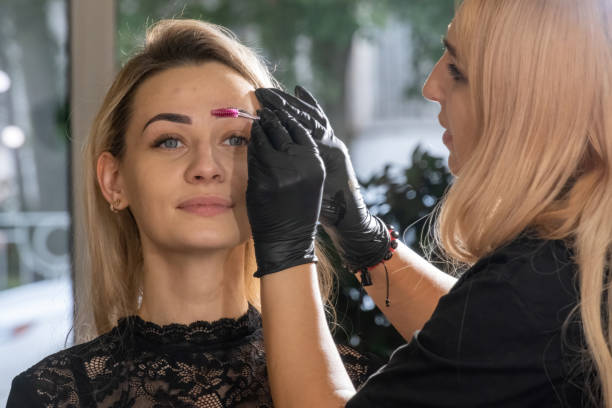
point(282, 29)
point(428, 24)
point(404, 198)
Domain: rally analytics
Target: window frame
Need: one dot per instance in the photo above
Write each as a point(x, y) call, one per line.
point(92, 68)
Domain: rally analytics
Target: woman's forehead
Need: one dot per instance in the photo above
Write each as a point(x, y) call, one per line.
point(208, 86)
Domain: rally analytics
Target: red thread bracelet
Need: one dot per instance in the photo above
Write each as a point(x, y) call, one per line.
point(366, 279)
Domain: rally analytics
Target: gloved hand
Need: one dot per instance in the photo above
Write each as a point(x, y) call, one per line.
point(285, 185)
point(361, 238)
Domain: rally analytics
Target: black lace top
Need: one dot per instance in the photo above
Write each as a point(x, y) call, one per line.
point(141, 364)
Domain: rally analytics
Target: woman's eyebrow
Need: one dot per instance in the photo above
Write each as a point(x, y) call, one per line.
point(171, 117)
point(449, 47)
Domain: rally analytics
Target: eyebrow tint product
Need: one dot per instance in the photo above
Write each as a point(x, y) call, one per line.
point(232, 113)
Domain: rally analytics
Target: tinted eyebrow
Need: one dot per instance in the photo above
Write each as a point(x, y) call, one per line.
point(449, 47)
point(171, 117)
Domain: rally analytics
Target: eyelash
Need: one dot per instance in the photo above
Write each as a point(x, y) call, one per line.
point(454, 72)
point(159, 142)
point(244, 139)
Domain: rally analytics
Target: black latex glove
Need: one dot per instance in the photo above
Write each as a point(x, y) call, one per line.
point(285, 185)
point(362, 238)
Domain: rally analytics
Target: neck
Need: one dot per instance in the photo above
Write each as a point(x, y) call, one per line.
point(184, 288)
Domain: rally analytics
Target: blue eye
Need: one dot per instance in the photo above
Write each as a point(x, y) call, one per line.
point(167, 143)
point(236, 140)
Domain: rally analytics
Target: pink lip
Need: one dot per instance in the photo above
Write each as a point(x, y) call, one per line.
point(447, 138)
point(206, 206)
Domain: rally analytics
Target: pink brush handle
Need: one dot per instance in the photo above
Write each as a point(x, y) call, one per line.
point(232, 113)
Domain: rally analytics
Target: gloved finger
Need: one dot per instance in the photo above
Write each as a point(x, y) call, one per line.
point(279, 100)
point(269, 98)
point(298, 133)
point(255, 166)
point(306, 96)
point(313, 110)
point(259, 145)
point(258, 170)
point(277, 134)
point(275, 100)
point(316, 130)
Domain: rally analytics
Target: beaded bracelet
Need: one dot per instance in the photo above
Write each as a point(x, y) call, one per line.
point(366, 278)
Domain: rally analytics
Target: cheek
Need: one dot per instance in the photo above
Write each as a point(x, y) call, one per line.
point(462, 125)
point(238, 175)
point(148, 187)
point(467, 136)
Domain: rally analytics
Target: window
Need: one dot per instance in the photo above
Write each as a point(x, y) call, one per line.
point(35, 288)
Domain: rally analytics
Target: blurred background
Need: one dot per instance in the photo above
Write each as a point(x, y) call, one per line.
point(365, 61)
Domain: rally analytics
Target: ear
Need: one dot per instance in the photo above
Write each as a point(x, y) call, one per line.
point(111, 181)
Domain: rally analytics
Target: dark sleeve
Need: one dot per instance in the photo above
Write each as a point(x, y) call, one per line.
point(22, 394)
point(484, 346)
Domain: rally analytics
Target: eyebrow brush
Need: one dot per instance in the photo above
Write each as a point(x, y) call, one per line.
point(232, 113)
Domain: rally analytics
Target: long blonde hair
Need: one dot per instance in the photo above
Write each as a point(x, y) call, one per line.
point(114, 246)
point(540, 75)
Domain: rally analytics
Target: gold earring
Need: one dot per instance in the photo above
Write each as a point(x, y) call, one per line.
point(114, 205)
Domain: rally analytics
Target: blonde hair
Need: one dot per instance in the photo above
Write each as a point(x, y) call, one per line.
point(540, 77)
point(113, 239)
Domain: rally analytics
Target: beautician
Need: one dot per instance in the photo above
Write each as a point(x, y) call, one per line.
point(525, 91)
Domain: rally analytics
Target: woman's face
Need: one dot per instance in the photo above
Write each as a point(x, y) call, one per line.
point(448, 85)
point(184, 173)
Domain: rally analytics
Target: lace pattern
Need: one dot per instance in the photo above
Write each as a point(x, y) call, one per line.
point(141, 364)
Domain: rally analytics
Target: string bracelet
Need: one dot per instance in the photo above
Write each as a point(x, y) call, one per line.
point(366, 278)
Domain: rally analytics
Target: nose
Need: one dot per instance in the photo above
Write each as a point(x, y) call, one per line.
point(205, 165)
point(433, 88)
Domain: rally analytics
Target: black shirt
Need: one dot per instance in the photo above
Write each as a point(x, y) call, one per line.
point(141, 364)
point(495, 340)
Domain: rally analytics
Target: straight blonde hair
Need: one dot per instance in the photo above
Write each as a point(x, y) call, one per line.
point(114, 246)
point(540, 75)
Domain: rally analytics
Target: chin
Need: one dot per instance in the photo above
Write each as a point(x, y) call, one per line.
point(215, 238)
point(202, 245)
point(198, 233)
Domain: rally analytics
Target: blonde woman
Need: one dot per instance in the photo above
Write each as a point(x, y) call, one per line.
point(525, 91)
point(173, 294)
